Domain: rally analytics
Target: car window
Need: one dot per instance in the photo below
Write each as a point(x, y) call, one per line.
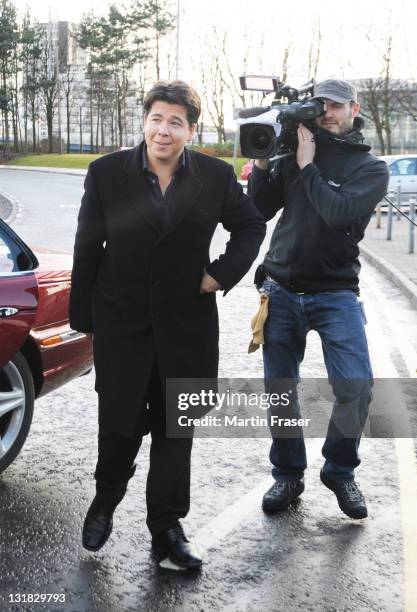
point(403, 167)
point(12, 257)
point(7, 262)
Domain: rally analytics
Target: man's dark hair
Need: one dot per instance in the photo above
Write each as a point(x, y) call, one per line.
point(175, 92)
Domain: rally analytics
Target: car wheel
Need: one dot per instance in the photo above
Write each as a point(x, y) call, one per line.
point(17, 397)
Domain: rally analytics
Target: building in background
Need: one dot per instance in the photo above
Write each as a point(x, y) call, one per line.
point(90, 128)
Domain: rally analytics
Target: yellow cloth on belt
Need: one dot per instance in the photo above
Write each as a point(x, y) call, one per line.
point(258, 323)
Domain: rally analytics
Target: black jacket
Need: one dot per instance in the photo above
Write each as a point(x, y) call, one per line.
point(326, 208)
point(137, 287)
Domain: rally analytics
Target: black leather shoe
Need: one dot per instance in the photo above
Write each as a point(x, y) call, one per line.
point(349, 496)
point(282, 494)
point(98, 525)
point(174, 546)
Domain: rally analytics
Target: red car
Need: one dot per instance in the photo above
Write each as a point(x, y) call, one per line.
point(246, 170)
point(38, 350)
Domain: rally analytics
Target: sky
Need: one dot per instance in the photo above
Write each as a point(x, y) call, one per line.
point(344, 27)
point(353, 44)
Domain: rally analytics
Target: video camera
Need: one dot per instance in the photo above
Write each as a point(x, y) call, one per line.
point(272, 132)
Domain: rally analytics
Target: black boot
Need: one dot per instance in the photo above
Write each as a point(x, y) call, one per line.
point(282, 494)
point(348, 494)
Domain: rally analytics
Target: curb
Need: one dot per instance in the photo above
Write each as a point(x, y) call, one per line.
point(397, 277)
point(73, 171)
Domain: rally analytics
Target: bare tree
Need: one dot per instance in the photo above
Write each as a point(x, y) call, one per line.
point(78, 102)
point(285, 62)
point(68, 87)
point(14, 98)
point(407, 98)
point(48, 82)
point(384, 97)
point(314, 51)
point(387, 98)
point(371, 108)
point(67, 78)
point(242, 98)
point(8, 43)
point(213, 78)
point(31, 37)
point(380, 95)
point(232, 82)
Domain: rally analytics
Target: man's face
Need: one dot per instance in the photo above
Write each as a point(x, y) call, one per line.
point(338, 117)
point(166, 131)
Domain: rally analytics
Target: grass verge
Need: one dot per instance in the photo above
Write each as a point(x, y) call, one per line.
point(82, 160)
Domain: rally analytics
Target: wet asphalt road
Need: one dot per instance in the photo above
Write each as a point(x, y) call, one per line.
point(311, 558)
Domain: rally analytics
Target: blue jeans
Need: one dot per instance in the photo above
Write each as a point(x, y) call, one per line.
point(338, 318)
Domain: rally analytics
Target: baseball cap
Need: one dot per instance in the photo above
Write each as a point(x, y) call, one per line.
point(336, 90)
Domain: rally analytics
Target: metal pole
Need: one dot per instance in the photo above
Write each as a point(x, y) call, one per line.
point(389, 224)
point(59, 118)
point(399, 201)
point(235, 149)
point(412, 213)
point(378, 216)
point(81, 130)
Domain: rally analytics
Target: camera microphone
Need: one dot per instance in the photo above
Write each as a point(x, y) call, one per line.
point(246, 113)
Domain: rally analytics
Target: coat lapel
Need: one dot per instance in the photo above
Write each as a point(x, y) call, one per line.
point(137, 190)
point(185, 194)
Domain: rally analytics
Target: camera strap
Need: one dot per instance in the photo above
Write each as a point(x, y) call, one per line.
point(276, 157)
point(399, 210)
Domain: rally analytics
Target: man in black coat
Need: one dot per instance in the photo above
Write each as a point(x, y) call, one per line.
point(144, 286)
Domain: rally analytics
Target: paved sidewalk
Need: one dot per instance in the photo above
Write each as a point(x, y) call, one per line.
point(391, 256)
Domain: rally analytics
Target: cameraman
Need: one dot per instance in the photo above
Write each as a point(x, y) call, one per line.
point(327, 194)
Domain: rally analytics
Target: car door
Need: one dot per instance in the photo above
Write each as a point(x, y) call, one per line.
point(404, 173)
point(18, 292)
point(411, 179)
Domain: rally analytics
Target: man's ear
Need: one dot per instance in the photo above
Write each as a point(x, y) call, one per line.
point(356, 107)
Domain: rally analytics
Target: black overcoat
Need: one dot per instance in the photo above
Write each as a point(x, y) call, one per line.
point(137, 286)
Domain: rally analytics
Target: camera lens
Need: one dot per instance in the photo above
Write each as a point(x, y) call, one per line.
point(261, 140)
point(257, 140)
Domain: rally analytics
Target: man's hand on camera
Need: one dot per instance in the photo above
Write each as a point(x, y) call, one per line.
point(262, 164)
point(208, 284)
point(306, 146)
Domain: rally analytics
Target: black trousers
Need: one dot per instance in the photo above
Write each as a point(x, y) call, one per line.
point(168, 483)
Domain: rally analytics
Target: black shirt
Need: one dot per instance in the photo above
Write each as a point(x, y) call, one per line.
point(162, 202)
